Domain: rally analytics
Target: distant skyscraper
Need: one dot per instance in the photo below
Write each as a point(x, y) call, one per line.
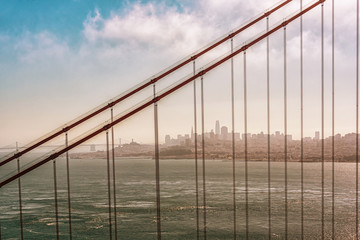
point(167, 139)
point(289, 137)
point(192, 134)
point(217, 128)
point(317, 135)
point(224, 132)
point(212, 134)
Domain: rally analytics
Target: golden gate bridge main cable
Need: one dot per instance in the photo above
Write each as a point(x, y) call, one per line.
point(159, 97)
point(142, 86)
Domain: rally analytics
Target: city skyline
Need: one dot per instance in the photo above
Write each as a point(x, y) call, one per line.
point(225, 134)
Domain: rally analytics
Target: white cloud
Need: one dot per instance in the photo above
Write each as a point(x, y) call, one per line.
point(32, 48)
point(147, 27)
point(118, 51)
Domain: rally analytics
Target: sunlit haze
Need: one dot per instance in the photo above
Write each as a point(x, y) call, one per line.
point(59, 60)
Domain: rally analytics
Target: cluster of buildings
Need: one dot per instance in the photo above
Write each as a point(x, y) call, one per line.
point(218, 145)
point(221, 134)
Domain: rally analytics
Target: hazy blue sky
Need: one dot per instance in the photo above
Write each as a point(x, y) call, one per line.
point(60, 59)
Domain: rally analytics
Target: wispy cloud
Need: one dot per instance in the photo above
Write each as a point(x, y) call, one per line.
point(149, 27)
point(117, 50)
point(44, 46)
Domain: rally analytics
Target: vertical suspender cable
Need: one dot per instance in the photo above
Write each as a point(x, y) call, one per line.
point(108, 181)
point(113, 174)
point(322, 123)
point(233, 137)
point(20, 199)
point(246, 155)
point(196, 161)
point(333, 127)
point(56, 201)
point(268, 127)
point(157, 166)
point(302, 122)
point(68, 185)
point(203, 151)
point(285, 138)
point(357, 121)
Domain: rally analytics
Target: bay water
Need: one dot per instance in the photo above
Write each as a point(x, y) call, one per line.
point(136, 200)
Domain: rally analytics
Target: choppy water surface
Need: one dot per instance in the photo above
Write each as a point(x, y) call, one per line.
point(136, 206)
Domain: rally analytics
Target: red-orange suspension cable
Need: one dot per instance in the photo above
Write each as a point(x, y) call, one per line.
point(145, 105)
point(143, 86)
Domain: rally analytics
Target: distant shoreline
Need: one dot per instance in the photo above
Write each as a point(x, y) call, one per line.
point(200, 158)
